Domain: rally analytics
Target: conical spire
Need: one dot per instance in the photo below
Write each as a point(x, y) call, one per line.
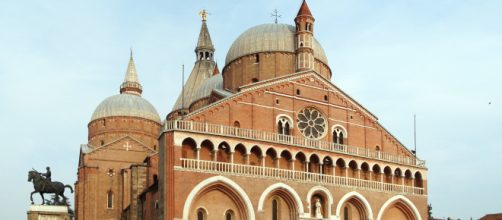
point(204, 41)
point(131, 83)
point(205, 48)
point(304, 10)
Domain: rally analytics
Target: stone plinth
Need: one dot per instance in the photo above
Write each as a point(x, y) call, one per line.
point(48, 212)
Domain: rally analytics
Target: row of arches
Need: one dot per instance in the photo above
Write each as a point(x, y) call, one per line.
point(280, 201)
point(299, 161)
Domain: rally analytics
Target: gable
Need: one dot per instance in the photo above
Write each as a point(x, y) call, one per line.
point(257, 106)
point(123, 149)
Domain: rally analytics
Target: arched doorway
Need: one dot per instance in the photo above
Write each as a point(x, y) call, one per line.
point(398, 208)
point(231, 199)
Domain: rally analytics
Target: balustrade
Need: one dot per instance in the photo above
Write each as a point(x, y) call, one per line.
point(205, 128)
point(260, 171)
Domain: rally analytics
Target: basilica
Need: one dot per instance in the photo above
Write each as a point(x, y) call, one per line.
point(267, 137)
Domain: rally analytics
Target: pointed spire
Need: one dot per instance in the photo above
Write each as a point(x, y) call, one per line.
point(205, 48)
point(304, 10)
point(131, 83)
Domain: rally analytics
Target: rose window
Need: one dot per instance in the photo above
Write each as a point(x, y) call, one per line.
point(311, 123)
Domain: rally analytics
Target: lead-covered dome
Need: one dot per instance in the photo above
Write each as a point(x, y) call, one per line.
point(126, 105)
point(269, 38)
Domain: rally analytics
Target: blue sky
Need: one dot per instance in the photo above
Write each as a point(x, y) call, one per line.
point(439, 59)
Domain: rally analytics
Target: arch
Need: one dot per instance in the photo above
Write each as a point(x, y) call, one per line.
point(365, 170)
point(240, 153)
point(339, 134)
point(328, 194)
point(408, 177)
point(218, 179)
point(188, 148)
point(314, 163)
point(201, 213)
point(388, 174)
point(360, 198)
point(284, 124)
point(281, 116)
point(285, 160)
point(398, 176)
point(270, 157)
point(223, 153)
point(206, 150)
point(285, 187)
point(340, 168)
point(229, 215)
point(300, 160)
point(418, 179)
point(327, 164)
point(403, 199)
point(353, 169)
point(255, 156)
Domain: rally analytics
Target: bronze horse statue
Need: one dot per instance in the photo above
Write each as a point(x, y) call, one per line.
point(44, 186)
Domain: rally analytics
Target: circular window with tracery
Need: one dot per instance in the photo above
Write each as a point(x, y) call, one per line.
point(311, 123)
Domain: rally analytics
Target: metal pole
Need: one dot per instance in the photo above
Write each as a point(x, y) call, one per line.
point(182, 90)
point(415, 133)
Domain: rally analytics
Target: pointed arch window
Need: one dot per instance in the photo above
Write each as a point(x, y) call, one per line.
point(109, 197)
point(275, 215)
point(346, 213)
point(229, 215)
point(284, 125)
point(201, 214)
point(339, 134)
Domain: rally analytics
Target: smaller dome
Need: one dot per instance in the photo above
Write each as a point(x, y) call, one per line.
point(126, 105)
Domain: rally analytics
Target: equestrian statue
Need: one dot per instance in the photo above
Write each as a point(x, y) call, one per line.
point(43, 184)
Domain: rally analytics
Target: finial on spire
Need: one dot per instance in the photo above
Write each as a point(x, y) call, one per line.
point(204, 14)
point(131, 83)
point(276, 15)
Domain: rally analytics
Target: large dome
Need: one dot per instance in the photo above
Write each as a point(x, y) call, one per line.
point(126, 105)
point(267, 38)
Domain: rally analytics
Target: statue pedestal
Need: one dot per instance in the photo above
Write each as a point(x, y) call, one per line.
point(48, 212)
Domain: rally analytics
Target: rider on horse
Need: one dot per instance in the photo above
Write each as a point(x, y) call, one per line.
point(47, 179)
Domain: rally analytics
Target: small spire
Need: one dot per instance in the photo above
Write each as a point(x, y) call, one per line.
point(304, 10)
point(205, 48)
point(131, 83)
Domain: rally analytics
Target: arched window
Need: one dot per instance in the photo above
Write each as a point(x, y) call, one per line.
point(346, 213)
point(256, 58)
point(109, 198)
point(201, 55)
point(339, 134)
point(207, 56)
point(229, 215)
point(237, 124)
point(284, 125)
point(201, 214)
point(275, 215)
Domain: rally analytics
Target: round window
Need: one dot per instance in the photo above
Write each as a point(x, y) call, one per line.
point(311, 123)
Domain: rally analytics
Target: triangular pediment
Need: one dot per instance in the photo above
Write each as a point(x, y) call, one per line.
point(125, 143)
point(313, 87)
